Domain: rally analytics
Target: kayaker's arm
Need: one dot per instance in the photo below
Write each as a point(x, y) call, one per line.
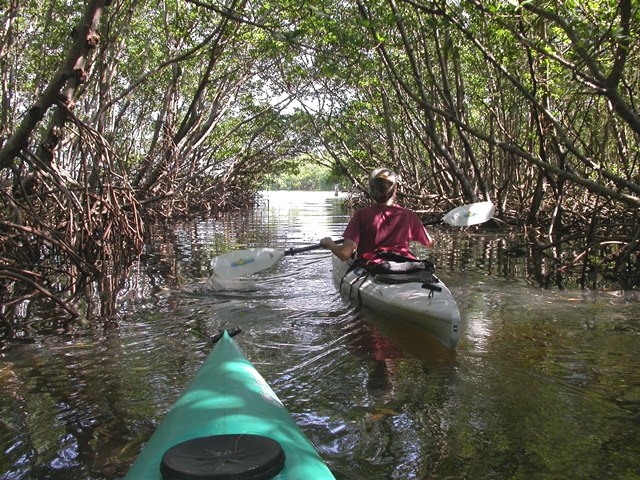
point(429, 239)
point(343, 251)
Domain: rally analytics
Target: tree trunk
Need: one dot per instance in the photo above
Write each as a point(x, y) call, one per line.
point(63, 85)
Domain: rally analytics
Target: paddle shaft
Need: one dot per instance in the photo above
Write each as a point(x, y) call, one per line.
point(293, 251)
point(433, 222)
point(248, 262)
point(317, 246)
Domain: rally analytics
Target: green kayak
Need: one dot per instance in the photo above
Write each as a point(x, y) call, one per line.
point(228, 424)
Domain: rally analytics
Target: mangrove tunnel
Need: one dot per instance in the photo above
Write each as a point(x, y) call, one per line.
point(120, 114)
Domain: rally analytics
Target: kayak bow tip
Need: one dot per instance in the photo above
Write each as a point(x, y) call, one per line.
point(232, 333)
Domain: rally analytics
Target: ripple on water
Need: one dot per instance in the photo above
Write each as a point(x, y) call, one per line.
point(542, 383)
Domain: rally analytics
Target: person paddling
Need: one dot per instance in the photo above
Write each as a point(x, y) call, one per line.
point(382, 227)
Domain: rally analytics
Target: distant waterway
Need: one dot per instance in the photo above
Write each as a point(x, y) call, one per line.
point(544, 384)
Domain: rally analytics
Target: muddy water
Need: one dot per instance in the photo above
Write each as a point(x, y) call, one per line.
point(545, 383)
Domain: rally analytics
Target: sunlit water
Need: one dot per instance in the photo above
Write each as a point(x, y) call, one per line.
point(544, 384)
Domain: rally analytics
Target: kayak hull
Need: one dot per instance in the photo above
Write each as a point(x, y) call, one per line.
point(228, 396)
point(435, 312)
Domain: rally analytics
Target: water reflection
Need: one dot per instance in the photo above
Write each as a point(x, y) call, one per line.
point(543, 382)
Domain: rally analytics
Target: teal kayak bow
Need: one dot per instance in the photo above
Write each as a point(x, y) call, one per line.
point(228, 424)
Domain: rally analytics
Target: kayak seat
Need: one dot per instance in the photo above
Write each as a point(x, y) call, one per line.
point(397, 269)
point(405, 266)
point(419, 276)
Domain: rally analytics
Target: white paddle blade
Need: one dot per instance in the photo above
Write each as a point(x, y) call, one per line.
point(240, 263)
point(472, 214)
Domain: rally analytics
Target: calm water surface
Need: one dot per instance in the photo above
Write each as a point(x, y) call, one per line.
point(544, 384)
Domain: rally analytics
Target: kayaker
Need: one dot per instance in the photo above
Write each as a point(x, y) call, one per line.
point(382, 227)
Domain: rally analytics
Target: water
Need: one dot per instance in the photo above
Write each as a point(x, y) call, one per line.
point(544, 384)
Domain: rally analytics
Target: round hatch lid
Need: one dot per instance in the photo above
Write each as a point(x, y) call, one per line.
point(224, 457)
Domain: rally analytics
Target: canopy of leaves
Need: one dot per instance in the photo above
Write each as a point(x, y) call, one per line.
point(116, 113)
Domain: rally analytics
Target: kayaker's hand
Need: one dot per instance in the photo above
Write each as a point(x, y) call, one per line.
point(342, 250)
point(326, 242)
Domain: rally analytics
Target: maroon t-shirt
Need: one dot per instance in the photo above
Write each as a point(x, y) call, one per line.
point(384, 227)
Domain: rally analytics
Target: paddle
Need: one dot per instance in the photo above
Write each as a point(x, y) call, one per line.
point(240, 263)
point(467, 215)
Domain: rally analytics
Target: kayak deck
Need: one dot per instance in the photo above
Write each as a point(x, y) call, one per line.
point(433, 309)
point(228, 396)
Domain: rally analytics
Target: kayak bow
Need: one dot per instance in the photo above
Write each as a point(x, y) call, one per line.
point(228, 401)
